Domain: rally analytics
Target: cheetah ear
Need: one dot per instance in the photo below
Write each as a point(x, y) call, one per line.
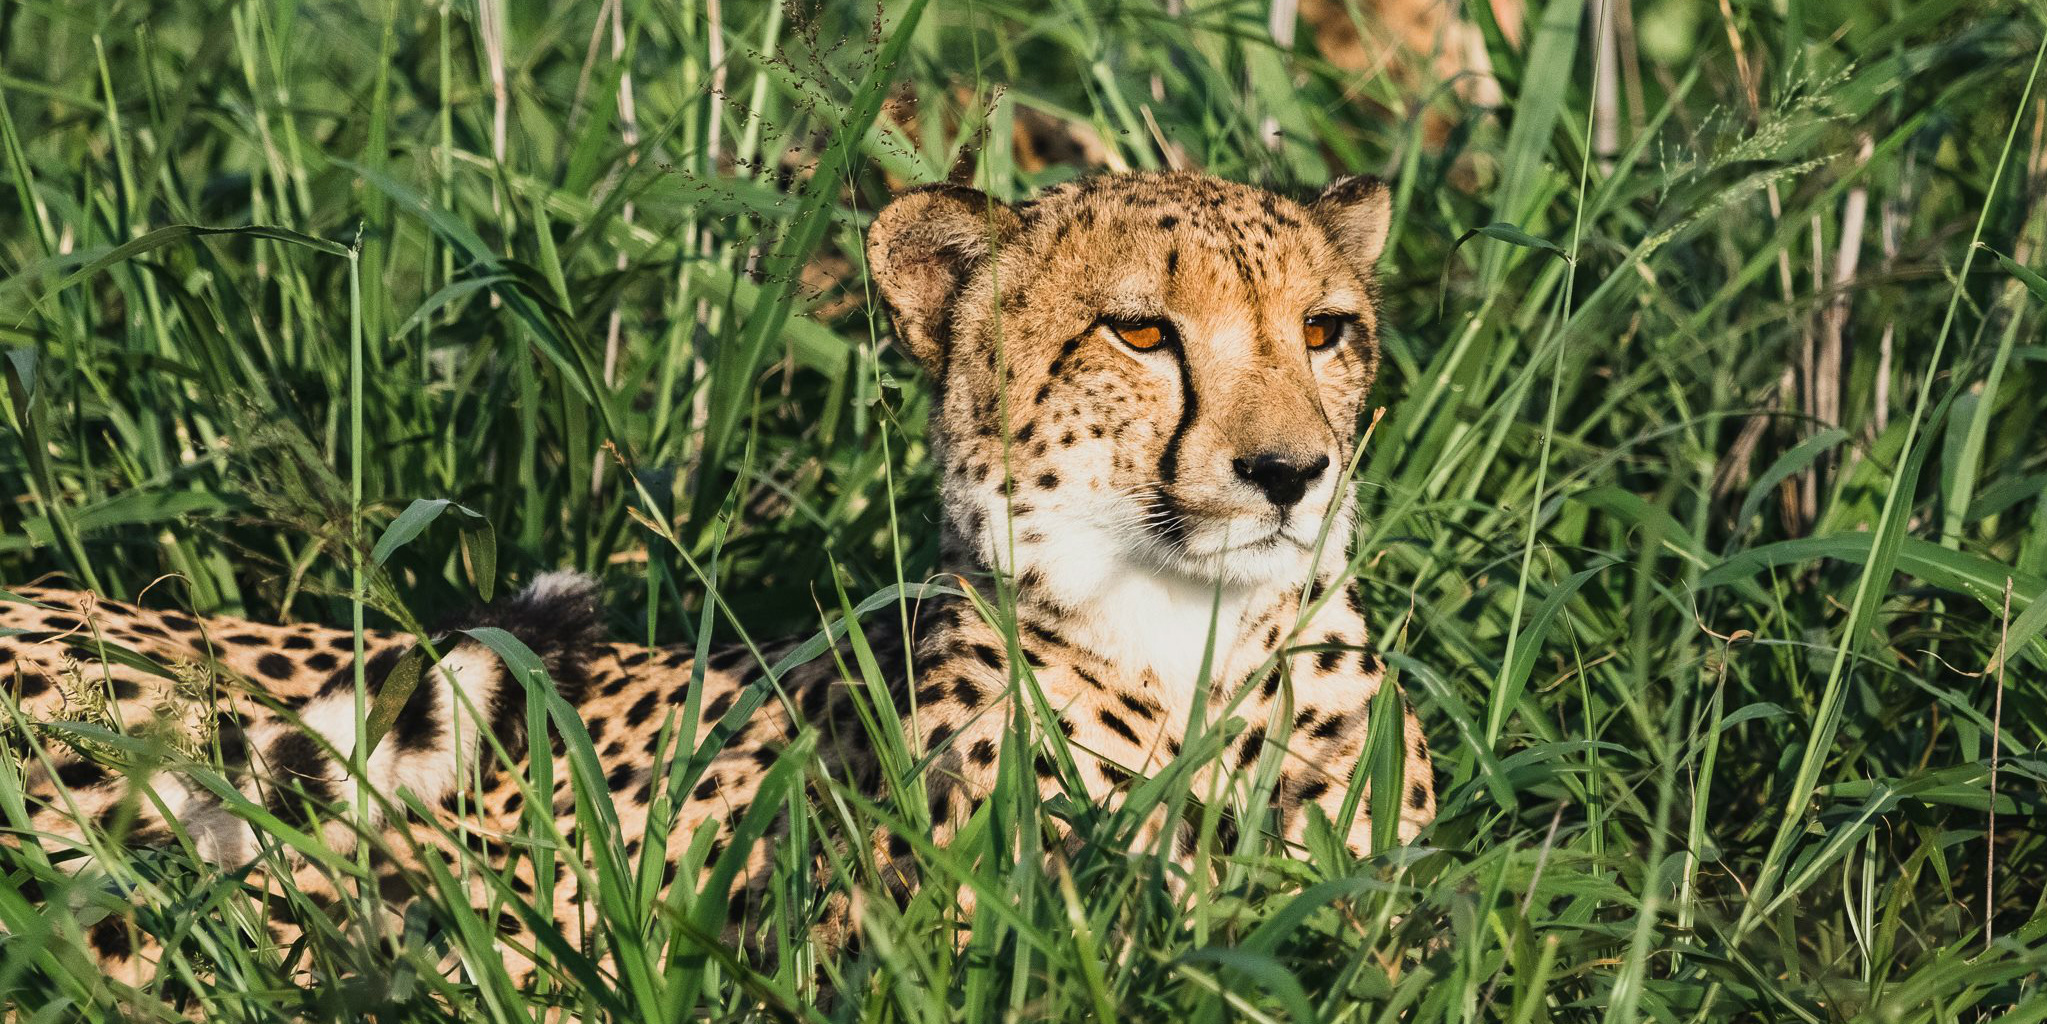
point(923, 248)
point(1357, 212)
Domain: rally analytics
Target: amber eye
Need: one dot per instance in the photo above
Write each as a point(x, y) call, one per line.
point(1326, 330)
point(1143, 335)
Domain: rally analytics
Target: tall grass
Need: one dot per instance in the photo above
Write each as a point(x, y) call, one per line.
point(1715, 568)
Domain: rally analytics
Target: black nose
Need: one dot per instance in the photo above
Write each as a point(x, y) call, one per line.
point(1283, 478)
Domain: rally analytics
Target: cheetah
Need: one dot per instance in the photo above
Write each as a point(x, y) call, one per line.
point(1148, 390)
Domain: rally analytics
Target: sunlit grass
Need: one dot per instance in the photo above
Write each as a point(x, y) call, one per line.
point(1706, 561)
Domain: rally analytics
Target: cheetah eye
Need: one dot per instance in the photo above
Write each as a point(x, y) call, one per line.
point(1143, 335)
point(1326, 330)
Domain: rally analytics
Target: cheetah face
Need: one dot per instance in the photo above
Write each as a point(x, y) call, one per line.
point(1161, 371)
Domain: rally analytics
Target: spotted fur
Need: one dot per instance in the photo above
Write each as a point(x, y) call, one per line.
point(1137, 443)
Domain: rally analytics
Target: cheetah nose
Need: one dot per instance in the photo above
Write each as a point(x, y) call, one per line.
point(1283, 478)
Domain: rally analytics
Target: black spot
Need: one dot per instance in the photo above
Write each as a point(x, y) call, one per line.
point(1112, 774)
point(1313, 789)
point(180, 623)
point(964, 691)
point(233, 742)
point(718, 706)
point(1369, 664)
point(1226, 832)
point(80, 774)
point(298, 643)
point(707, 788)
point(1417, 797)
point(1249, 748)
point(898, 847)
point(275, 666)
point(111, 939)
point(621, 776)
point(419, 722)
point(1270, 686)
point(299, 763)
point(1332, 725)
point(641, 710)
point(816, 700)
point(245, 640)
point(982, 752)
point(1326, 660)
point(1116, 725)
point(638, 657)
point(730, 657)
point(939, 734)
point(596, 726)
point(323, 662)
point(1142, 708)
point(1048, 481)
point(1168, 222)
point(989, 656)
point(1044, 635)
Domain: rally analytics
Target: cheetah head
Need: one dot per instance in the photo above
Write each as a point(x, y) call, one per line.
point(1155, 371)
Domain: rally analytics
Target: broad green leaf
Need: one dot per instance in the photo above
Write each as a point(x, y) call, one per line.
point(1267, 972)
point(1959, 571)
point(1747, 712)
point(1799, 457)
point(162, 237)
point(416, 517)
point(2031, 279)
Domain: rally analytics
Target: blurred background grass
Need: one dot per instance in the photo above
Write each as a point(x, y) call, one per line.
point(1708, 494)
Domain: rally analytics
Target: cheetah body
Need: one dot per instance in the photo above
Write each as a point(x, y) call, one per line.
point(1148, 389)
